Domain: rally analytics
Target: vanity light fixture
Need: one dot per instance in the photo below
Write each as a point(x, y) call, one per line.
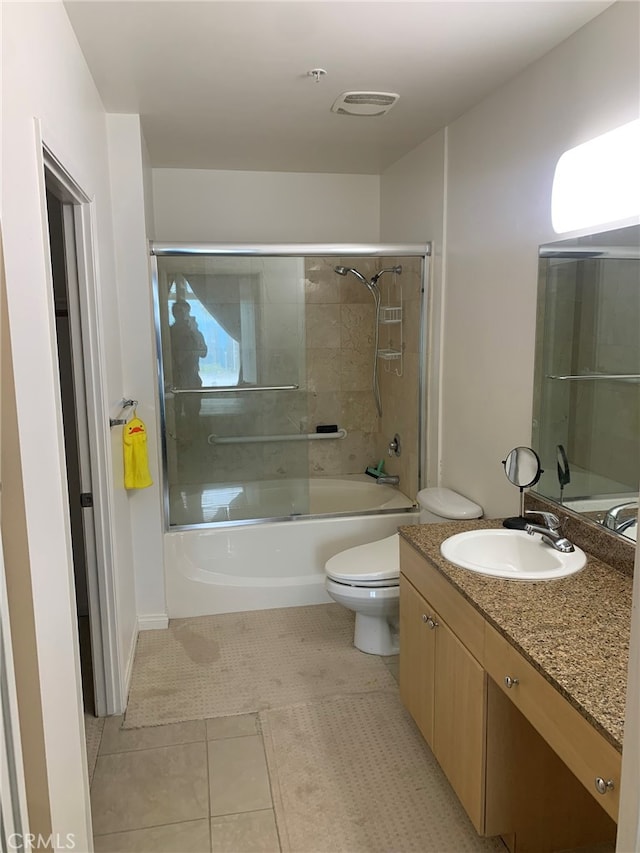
point(598, 182)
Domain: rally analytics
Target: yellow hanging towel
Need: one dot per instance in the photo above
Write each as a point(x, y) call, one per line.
point(136, 462)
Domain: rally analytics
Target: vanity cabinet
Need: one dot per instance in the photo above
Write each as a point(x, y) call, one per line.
point(443, 688)
point(584, 751)
point(522, 760)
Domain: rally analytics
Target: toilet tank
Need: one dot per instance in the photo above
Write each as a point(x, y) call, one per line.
point(438, 504)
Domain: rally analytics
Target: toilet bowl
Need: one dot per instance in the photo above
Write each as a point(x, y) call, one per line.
point(366, 578)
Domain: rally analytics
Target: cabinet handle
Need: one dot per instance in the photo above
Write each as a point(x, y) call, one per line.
point(431, 623)
point(510, 682)
point(602, 786)
point(425, 618)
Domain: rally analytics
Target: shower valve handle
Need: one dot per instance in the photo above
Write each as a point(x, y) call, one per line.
point(394, 446)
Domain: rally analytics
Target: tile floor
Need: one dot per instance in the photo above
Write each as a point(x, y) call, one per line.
point(195, 787)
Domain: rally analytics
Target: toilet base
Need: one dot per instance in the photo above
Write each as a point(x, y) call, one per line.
point(375, 635)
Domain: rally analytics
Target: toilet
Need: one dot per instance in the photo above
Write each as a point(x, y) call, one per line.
point(366, 578)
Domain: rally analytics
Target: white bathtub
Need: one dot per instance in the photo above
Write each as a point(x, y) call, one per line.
point(225, 569)
point(222, 502)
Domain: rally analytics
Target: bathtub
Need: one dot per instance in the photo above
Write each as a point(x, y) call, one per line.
point(229, 568)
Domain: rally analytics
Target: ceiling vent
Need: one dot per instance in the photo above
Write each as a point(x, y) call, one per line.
point(364, 103)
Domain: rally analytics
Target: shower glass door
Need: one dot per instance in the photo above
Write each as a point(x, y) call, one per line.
point(232, 339)
point(269, 363)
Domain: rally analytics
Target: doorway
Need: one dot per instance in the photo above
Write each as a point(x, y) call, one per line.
point(61, 218)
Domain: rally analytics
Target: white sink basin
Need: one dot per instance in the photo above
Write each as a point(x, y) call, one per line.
point(511, 554)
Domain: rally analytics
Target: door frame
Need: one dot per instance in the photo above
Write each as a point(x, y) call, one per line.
point(78, 221)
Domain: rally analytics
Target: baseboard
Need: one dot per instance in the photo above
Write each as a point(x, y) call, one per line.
point(144, 623)
point(153, 622)
point(128, 672)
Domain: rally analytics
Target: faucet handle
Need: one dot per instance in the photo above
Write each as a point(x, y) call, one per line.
point(550, 518)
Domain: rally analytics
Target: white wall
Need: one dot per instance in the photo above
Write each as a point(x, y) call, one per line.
point(208, 206)
point(130, 205)
point(412, 210)
point(501, 157)
point(45, 76)
point(147, 177)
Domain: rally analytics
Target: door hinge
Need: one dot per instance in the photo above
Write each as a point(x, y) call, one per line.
point(86, 499)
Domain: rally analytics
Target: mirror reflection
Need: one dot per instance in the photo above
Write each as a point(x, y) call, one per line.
point(586, 420)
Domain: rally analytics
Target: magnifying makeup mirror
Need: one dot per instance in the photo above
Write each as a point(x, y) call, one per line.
point(522, 467)
point(564, 473)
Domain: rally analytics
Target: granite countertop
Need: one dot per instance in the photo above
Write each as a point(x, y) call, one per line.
point(574, 631)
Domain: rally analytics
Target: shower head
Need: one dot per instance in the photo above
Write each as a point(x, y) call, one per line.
point(397, 270)
point(358, 275)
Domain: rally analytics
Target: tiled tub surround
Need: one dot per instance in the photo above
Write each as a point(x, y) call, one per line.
point(574, 631)
point(340, 317)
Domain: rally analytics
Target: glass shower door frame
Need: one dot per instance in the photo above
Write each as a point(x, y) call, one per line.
point(338, 250)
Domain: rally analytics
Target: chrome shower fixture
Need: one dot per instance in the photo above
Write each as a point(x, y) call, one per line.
point(397, 270)
point(358, 275)
point(374, 279)
point(372, 287)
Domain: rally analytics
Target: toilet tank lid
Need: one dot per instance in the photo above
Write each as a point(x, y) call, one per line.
point(448, 504)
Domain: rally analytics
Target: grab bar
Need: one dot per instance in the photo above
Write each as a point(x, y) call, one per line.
point(599, 376)
point(248, 439)
point(225, 389)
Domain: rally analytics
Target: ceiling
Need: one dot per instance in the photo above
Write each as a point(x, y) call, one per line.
point(224, 85)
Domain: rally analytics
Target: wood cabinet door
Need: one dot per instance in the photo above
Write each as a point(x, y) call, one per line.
point(459, 721)
point(417, 658)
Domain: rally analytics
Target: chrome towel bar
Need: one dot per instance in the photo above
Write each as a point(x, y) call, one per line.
point(124, 404)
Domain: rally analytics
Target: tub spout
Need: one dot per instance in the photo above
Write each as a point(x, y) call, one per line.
point(388, 479)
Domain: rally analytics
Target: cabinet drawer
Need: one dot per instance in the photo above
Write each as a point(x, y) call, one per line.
point(463, 619)
point(587, 754)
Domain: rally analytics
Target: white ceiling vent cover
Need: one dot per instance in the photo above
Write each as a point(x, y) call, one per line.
point(364, 103)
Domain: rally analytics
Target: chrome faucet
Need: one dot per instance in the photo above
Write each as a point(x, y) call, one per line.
point(613, 520)
point(551, 533)
point(388, 479)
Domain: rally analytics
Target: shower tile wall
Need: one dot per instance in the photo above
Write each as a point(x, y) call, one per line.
point(340, 317)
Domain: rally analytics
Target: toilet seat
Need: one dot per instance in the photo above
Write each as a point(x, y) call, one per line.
point(370, 596)
point(375, 564)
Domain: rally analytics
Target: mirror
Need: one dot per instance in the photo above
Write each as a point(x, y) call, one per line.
point(522, 467)
point(586, 415)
